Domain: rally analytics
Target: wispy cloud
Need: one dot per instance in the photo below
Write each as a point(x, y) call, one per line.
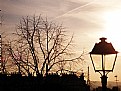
point(78, 15)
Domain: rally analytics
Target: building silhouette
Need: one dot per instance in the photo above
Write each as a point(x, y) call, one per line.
point(51, 82)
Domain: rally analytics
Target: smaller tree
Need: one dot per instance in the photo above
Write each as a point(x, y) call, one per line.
point(20, 57)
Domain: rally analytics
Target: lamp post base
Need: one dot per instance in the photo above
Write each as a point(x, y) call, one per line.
point(104, 82)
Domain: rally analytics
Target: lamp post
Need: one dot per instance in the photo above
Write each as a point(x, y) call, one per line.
point(101, 56)
point(116, 80)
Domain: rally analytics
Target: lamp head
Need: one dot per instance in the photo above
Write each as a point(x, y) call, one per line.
point(103, 48)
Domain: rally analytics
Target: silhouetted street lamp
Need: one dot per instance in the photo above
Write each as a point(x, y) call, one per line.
point(116, 80)
point(101, 56)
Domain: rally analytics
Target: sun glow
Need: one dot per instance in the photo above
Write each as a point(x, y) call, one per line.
point(113, 28)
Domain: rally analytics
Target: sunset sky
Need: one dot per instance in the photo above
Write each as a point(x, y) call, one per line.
point(88, 20)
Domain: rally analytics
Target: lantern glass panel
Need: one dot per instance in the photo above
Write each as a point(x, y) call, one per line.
point(103, 62)
point(109, 61)
point(97, 60)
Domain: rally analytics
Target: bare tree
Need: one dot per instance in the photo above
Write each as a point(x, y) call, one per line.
point(4, 57)
point(47, 42)
point(20, 57)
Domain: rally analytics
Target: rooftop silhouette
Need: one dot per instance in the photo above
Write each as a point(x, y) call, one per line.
point(50, 82)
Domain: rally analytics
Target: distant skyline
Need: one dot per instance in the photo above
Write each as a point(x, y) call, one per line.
point(87, 19)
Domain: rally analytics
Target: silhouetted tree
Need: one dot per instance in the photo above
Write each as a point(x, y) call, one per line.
point(20, 57)
point(4, 56)
point(46, 42)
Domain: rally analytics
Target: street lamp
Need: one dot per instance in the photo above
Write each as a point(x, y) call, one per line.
point(101, 56)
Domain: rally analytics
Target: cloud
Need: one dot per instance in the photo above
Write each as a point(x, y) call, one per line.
point(85, 18)
point(17, 8)
point(77, 15)
point(67, 11)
